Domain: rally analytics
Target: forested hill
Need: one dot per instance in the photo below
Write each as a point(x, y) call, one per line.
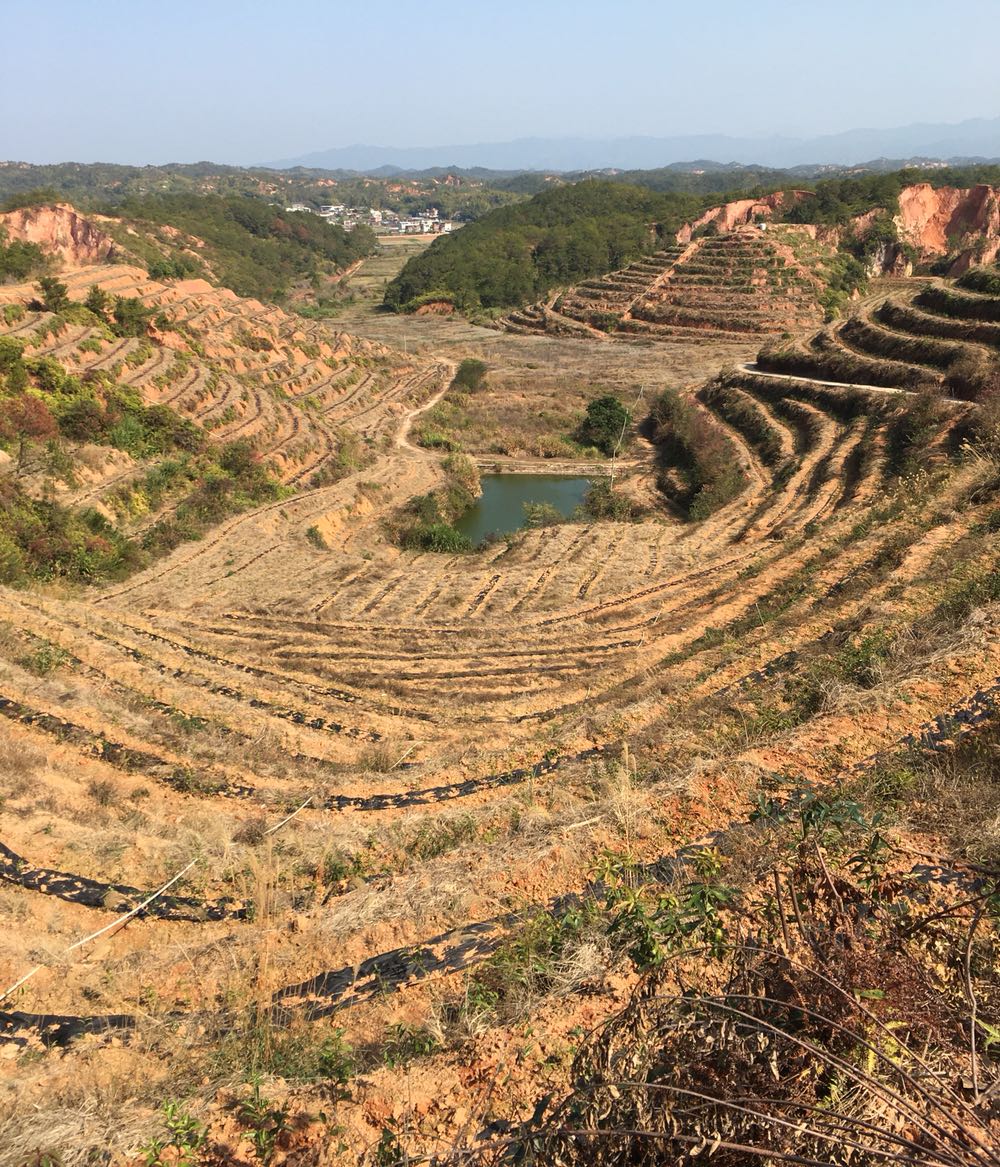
point(518, 253)
point(250, 246)
point(246, 244)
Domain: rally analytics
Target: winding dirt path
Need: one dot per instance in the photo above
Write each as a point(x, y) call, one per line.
point(403, 433)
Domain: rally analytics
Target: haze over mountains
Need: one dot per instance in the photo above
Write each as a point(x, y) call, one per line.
point(974, 138)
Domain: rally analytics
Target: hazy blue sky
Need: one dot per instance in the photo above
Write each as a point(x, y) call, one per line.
point(253, 80)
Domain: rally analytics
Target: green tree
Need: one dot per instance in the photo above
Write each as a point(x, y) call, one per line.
point(516, 253)
point(98, 300)
point(53, 293)
point(470, 375)
point(131, 316)
point(604, 425)
point(19, 260)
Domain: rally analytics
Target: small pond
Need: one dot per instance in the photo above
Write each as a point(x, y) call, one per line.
point(500, 508)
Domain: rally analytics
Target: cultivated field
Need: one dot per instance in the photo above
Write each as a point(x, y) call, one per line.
point(370, 767)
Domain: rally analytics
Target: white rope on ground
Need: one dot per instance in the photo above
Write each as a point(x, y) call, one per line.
point(288, 819)
point(403, 756)
point(113, 926)
point(123, 920)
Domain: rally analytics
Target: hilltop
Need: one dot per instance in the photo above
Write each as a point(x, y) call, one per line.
point(762, 266)
point(102, 186)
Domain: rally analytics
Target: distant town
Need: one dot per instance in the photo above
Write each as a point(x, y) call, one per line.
point(427, 222)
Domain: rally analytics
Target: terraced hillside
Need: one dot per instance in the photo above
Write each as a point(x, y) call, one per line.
point(926, 335)
point(237, 368)
point(376, 786)
point(719, 287)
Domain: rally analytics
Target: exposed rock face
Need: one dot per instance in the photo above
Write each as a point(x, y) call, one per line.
point(61, 231)
point(436, 308)
point(741, 212)
point(950, 220)
point(947, 221)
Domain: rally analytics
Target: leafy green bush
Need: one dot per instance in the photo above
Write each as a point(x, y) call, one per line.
point(43, 540)
point(604, 425)
point(435, 536)
point(54, 295)
point(601, 502)
point(542, 514)
point(470, 375)
point(131, 316)
point(425, 522)
point(19, 261)
point(175, 267)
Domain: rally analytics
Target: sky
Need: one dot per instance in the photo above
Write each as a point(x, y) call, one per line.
point(245, 81)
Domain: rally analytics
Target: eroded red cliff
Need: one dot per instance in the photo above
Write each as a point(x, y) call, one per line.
point(62, 231)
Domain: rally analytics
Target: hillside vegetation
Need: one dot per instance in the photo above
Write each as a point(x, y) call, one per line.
point(19, 260)
point(838, 200)
point(249, 246)
point(571, 234)
point(137, 415)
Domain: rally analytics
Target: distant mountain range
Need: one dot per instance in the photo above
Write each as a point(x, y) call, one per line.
point(978, 138)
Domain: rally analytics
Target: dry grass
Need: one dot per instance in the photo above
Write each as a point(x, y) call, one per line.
point(20, 762)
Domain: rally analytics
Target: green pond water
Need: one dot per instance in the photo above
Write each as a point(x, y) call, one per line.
point(500, 508)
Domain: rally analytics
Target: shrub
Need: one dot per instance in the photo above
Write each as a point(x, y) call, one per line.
point(19, 260)
point(542, 514)
point(706, 458)
point(602, 502)
point(425, 522)
point(98, 301)
point(131, 316)
point(23, 420)
point(185, 1137)
point(435, 537)
point(53, 294)
point(471, 375)
point(604, 425)
point(175, 267)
